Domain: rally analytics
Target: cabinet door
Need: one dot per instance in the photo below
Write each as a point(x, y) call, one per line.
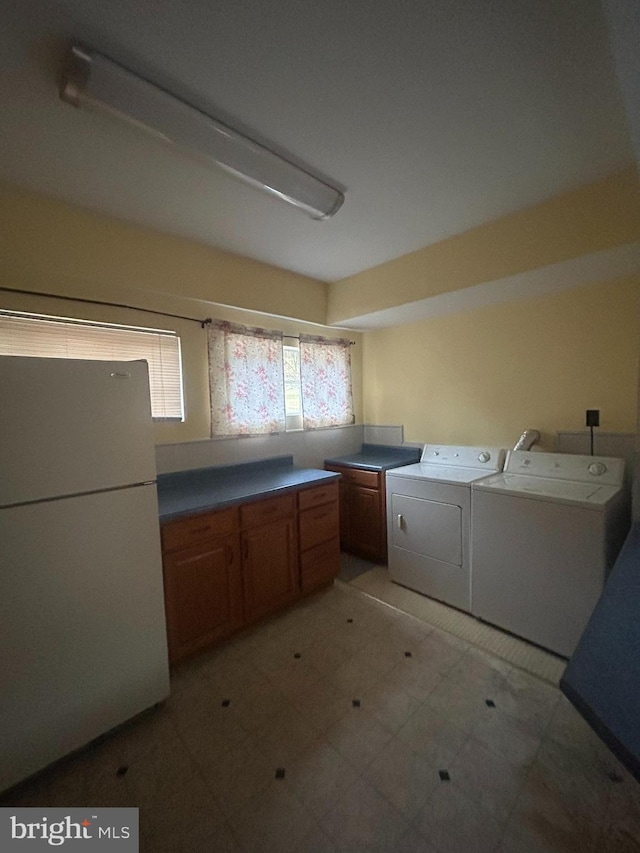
point(203, 595)
point(269, 568)
point(365, 521)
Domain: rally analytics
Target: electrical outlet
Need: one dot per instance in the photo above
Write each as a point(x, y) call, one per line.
point(593, 417)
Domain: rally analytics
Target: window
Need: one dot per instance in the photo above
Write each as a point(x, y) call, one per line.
point(265, 382)
point(292, 386)
point(245, 380)
point(325, 373)
point(59, 337)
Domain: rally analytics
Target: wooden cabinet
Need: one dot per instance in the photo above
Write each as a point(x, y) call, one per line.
point(363, 524)
point(269, 564)
point(319, 542)
point(227, 568)
point(202, 580)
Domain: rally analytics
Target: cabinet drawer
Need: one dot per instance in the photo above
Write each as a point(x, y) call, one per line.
point(185, 532)
point(262, 512)
point(370, 479)
point(319, 495)
point(318, 524)
point(320, 565)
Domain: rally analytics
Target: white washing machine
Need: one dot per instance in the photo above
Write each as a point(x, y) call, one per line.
point(428, 520)
point(545, 533)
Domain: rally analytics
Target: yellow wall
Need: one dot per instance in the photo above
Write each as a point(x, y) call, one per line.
point(600, 216)
point(54, 248)
point(58, 245)
point(484, 376)
point(481, 376)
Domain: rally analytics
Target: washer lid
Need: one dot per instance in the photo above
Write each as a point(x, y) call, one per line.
point(590, 495)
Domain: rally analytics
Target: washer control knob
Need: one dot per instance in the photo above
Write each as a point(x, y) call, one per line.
point(484, 456)
point(597, 468)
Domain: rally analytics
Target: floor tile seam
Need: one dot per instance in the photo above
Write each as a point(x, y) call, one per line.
point(371, 781)
point(486, 645)
point(404, 817)
point(411, 715)
point(358, 779)
point(230, 744)
point(455, 752)
point(502, 821)
point(360, 766)
point(204, 777)
point(298, 669)
point(355, 686)
point(398, 610)
point(301, 806)
point(514, 720)
point(279, 758)
point(322, 813)
point(379, 673)
point(528, 775)
point(364, 779)
point(417, 817)
point(368, 714)
point(257, 739)
point(503, 755)
point(584, 766)
point(230, 813)
point(512, 661)
point(199, 773)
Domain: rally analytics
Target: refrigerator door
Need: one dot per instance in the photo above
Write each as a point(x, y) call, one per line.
point(68, 427)
point(83, 638)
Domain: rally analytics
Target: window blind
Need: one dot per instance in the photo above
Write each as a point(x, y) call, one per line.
point(59, 337)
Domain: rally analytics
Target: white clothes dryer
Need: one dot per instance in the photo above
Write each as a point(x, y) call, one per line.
point(428, 520)
point(545, 533)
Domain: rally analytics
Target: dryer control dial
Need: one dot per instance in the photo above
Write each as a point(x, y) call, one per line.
point(597, 468)
point(484, 456)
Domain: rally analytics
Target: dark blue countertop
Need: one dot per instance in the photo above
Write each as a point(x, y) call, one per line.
point(378, 457)
point(602, 679)
point(186, 492)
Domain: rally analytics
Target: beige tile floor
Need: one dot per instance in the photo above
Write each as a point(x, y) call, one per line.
point(362, 710)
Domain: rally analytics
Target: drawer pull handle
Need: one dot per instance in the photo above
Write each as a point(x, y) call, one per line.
point(201, 529)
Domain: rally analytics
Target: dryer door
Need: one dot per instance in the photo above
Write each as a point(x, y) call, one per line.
point(430, 528)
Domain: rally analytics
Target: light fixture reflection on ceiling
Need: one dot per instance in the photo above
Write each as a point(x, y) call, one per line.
point(90, 79)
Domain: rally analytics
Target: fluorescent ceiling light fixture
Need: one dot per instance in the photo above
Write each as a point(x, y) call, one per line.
point(93, 80)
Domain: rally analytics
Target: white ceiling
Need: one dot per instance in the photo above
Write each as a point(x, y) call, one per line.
point(435, 116)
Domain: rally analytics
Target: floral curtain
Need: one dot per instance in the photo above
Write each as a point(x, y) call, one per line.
point(245, 380)
point(325, 372)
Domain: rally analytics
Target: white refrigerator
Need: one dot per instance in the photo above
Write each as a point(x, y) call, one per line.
point(82, 626)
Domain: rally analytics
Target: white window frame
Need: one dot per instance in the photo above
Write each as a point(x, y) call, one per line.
point(293, 415)
point(43, 335)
